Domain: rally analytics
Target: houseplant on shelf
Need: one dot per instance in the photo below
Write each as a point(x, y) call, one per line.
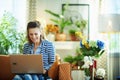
point(10, 40)
point(81, 24)
point(60, 21)
point(72, 35)
point(51, 31)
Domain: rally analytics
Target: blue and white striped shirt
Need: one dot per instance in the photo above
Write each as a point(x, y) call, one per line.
point(46, 48)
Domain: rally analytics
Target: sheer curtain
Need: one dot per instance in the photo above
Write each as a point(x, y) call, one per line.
point(114, 56)
point(113, 39)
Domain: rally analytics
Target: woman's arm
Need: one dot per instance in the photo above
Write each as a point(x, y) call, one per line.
point(50, 50)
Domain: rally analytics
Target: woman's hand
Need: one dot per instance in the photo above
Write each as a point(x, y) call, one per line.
point(45, 71)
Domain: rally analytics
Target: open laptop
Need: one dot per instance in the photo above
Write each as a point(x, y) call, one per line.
point(26, 63)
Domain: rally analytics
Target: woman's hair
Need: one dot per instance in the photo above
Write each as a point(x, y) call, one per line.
point(34, 24)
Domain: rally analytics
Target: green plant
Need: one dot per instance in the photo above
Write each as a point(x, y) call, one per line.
point(60, 21)
point(74, 59)
point(92, 48)
point(69, 59)
point(10, 40)
point(72, 31)
point(81, 24)
point(87, 71)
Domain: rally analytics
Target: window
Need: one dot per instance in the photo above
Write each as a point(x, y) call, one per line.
point(19, 10)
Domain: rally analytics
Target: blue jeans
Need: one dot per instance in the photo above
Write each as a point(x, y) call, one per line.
point(29, 77)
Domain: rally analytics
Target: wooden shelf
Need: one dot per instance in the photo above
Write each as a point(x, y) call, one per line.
point(66, 45)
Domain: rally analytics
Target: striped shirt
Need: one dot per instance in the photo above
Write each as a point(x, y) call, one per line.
point(46, 48)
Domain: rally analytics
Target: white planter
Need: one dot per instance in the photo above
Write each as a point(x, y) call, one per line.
point(51, 37)
point(87, 77)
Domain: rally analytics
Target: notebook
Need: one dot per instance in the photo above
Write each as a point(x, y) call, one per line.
point(26, 63)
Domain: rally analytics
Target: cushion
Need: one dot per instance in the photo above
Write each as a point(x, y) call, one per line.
point(5, 70)
point(53, 71)
point(65, 71)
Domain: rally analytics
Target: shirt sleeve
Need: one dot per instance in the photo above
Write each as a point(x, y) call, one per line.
point(26, 49)
point(51, 54)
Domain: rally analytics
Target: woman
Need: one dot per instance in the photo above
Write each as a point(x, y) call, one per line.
point(37, 45)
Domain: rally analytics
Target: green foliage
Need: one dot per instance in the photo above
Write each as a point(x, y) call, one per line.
point(81, 24)
point(92, 48)
point(87, 71)
point(60, 21)
point(72, 31)
point(69, 59)
point(10, 39)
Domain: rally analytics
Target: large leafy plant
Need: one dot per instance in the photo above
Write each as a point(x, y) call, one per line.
point(10, 40)
point(60, 20)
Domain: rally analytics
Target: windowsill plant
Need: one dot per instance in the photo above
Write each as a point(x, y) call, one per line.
point(10, 40)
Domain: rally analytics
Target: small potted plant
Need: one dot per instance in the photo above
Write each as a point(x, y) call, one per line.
point(100, 74)
point(72, 35)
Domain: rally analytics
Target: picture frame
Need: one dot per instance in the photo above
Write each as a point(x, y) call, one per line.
point(77, 12)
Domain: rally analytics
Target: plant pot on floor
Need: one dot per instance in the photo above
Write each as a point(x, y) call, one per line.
point(95, 78)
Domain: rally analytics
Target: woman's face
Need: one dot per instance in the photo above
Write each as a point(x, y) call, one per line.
point(34, 35)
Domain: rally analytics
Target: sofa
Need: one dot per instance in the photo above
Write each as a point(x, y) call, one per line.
point(58, 71)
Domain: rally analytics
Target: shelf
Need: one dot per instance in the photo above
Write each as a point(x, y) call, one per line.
point(66, 45)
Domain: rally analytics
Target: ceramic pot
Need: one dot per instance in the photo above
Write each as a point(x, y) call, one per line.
point(51, 37)
point(87, 77)
point(61, 37)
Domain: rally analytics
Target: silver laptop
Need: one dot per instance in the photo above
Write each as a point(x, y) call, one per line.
point(26, 63)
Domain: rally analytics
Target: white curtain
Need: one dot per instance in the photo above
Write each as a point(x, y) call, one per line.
point(114, 56)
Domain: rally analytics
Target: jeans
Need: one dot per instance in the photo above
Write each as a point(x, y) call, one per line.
point(29, 77)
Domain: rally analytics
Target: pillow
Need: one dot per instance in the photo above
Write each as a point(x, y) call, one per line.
point(65, 71)
point(53, 71)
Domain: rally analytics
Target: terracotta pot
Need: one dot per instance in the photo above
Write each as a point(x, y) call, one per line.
point(61, 37)
point(73, 37)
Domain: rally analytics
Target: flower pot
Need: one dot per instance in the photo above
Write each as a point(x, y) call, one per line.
point(87, 77)
point(61, 37)
point(73, 37)
point(51, 37)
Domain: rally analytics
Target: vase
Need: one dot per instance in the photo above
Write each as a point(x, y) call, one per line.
point(51, 37)
point(87, 77)
point(61, 37)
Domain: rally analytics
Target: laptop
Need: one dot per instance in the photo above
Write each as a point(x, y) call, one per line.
point(26, 63)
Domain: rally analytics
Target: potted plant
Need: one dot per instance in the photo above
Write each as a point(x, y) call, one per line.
point(10, 40)
point(81, 24)
point(61, 22)
point(100, 74)
point(72, 61)
point(51, 31)
point(72, 35)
